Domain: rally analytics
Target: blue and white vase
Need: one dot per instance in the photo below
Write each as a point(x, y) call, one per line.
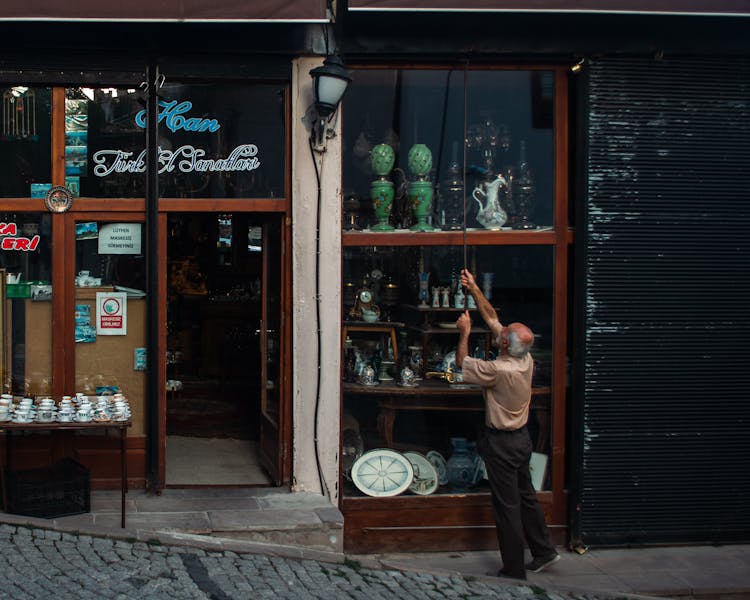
point(460, 466)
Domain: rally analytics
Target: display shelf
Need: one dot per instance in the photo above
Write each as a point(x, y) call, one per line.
point(425, 387)
point(474, 237)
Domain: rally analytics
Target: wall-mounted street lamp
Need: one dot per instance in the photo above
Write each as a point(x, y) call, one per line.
point(329, 84)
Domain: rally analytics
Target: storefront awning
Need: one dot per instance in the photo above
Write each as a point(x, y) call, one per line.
point(308, 11)
point(671, 7)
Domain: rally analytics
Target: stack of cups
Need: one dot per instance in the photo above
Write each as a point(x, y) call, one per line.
point(85, 410)
point(101, 411)
point(47, 410)
point(25, 413)
point(121, 409)
point(67, 410)
point(6, 407)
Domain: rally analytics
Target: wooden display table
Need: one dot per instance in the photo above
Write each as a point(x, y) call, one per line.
point(388, 328)
point(122, 426)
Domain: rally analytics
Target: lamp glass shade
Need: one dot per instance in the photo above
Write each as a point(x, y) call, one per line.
point(329, 91)
point(329, 84)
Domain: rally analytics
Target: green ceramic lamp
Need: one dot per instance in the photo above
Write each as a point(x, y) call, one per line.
point(421, 189)
point(382, 158)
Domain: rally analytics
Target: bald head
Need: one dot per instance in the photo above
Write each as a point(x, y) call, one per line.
point(516, 339)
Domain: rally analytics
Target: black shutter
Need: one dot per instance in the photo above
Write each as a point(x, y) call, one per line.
point(663, 453)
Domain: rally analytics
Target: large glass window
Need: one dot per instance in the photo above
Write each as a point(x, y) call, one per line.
point(222, 141)
point(104, 147)
point(110, 311)
point(25, 142)
point(26, 315)
point(400, 305)
point(489, 143)
point(432, 153)
point(214, 141)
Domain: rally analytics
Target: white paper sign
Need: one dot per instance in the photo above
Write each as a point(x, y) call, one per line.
point(120, 238)
point(111, 313)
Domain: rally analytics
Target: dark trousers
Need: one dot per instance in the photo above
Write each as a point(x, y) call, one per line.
point(518, 515)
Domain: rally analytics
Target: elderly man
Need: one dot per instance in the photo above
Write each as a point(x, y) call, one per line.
point(506, 445)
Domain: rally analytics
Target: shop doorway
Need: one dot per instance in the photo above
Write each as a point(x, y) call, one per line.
point(217, 296)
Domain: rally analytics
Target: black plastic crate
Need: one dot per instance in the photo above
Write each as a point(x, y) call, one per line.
point(56, 491)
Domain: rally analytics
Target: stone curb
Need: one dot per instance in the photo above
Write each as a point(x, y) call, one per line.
point(173, 538)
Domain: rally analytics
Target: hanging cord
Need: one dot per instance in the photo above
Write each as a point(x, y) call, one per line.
point(442, 126)
point(323, 485)
point(464, 172)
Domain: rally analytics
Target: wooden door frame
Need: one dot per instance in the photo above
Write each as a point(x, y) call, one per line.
point(260, 208)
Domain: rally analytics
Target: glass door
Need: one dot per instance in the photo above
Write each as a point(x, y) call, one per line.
point(272, 416)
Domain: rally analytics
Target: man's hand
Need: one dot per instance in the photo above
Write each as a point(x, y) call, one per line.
point(489, 314)
point(464, 323)
point(468, 281)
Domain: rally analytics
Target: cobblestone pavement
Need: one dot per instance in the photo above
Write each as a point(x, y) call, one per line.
point(39, 563)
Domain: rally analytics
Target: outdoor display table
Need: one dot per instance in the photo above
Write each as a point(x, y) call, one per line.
point(122, 426)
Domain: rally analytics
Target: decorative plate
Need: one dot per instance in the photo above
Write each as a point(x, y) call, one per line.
point(382, 472)
point(425, 480)
point(58, 199)
point(440, 465)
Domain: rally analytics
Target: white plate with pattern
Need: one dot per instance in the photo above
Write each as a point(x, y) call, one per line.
point(440, 465)
point(425, 480)
point(382, 472)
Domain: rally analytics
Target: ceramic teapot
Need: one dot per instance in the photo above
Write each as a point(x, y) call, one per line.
point(491, 215)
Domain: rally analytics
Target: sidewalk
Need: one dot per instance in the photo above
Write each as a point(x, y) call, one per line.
point(704, 572)
point(305, 526)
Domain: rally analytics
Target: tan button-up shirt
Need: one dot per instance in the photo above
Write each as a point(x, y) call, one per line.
point(506, 385)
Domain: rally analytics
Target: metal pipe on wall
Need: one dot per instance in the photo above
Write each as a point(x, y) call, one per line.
point(152, 278)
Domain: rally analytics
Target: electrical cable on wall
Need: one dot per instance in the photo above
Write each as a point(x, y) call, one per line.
point(464, 175)
point(323, 484)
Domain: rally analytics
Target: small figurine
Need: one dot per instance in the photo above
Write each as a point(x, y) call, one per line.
point(446, 291)
point(459, 300)
point(436, 297)
point(424, 286)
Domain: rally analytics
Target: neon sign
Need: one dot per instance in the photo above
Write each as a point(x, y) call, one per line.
point(186, 158)
point(173, 117)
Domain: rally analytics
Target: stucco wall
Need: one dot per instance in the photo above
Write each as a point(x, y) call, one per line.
point(312, 465)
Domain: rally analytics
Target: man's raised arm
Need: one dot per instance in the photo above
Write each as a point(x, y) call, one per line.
point(486, 310)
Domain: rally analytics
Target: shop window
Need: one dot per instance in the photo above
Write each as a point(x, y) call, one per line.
point(497, 123)
point(25, 142)
point(414, 293)
point(443, 169)
point(26, 312)
point(110, 310)
point(227, 141)
point(214, 141)
point(104, 147)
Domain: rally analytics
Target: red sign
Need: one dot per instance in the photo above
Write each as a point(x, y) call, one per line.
point(10, 241)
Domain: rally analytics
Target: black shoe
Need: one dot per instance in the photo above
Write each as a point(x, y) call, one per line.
point(505, 575)
point(542, 562)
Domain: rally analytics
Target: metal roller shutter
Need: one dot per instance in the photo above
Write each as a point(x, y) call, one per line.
point(664, 250)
